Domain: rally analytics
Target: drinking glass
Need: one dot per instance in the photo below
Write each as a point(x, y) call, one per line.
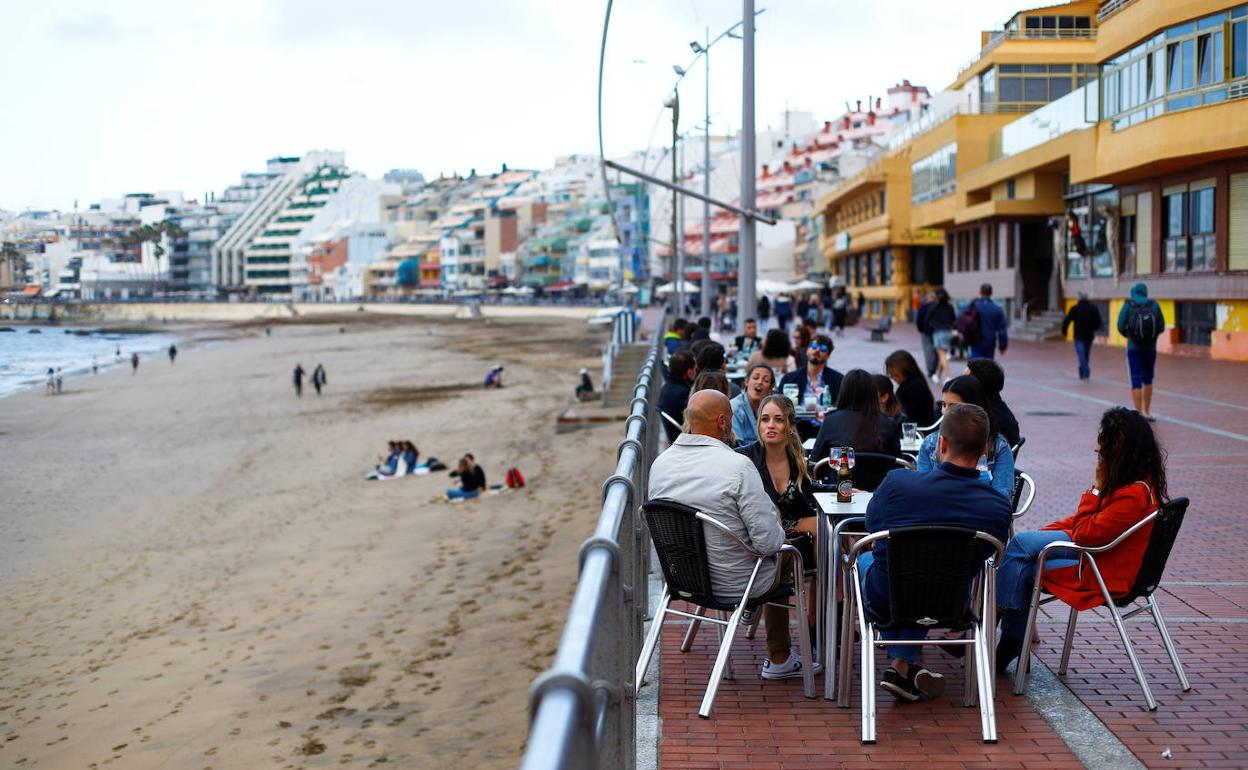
point(790, 392)
point(909, 432)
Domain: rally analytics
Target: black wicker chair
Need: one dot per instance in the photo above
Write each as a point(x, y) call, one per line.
point(1014, 450)
point(1166, 521)
point(939, 577)
point(679, 537)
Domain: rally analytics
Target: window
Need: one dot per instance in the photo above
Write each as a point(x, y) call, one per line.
point(1195, 322)
point(1035, 90)
point(1239, 49)
point(935, 175)
point(1009, 190)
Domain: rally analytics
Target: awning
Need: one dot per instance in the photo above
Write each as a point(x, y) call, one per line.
point(31, 291)
point(561, 286)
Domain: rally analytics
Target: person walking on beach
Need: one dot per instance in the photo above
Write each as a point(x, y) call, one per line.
point(134, 362)
point(95, 366)
point(50, 389)
point(1087, 321)
point(173, 353)
point(60, 381)
point(297, 375)
point(319, 379)
point(1141, 322)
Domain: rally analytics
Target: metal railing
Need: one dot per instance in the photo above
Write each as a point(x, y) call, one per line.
point(583, 709)
point(996, 37)
point(1110, 8)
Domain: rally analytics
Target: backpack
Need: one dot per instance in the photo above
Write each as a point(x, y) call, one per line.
point(514, 478)
point(968, 326)
point(1142, 323)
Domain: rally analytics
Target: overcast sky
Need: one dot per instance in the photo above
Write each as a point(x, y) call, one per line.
point(100, 99)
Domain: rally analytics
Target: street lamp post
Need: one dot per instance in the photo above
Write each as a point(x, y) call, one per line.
point(746, 264)
point(706, 184)
point(675, 296)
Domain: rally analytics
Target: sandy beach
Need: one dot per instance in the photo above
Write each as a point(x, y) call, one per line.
point(196, 575)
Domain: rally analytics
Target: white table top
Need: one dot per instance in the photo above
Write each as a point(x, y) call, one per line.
point(829, 505)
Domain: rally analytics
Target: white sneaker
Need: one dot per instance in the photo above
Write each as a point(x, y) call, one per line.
point(786, 670)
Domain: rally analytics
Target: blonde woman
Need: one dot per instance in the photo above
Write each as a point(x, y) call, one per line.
point(781, 463)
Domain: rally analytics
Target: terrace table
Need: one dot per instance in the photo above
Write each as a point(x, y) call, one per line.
point(827, 624)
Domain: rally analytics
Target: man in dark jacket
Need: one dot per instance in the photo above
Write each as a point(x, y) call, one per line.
point(1087, 321)
point(992, 326)
point(816, 375)
point(950, 494)
point(1141, 345)
point(675, 394)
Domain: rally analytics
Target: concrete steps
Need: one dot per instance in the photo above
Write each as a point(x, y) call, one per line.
point(628, 363)
point(1042, 326)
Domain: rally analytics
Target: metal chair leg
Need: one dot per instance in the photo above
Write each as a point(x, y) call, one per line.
point(1165, 638)
point(1122, 632)
point(721, 662)
point(652, 637)
point(1024, 656)
point(692, 631)
point(720, 629)
point(1069, 641)
point(831, 667)
point(970, 669)
point(985, 678)
point(752, 629)
point(848, 624)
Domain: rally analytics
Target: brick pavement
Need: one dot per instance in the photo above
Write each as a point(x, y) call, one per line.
point(759, 724)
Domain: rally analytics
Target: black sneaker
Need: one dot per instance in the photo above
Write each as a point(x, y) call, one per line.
point(919, 683)
point(1008, 649)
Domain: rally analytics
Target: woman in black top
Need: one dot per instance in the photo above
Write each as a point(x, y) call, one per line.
point(857, 421)
point(781, 463)
point(912, 391)
point(941, 319)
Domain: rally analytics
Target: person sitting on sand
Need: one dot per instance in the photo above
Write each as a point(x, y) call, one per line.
point(388, 465)
point(471, 479)
point(494, 378)
point(586, 387)
point(410, 455)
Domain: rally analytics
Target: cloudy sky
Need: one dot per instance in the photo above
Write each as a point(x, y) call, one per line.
point(133, 95)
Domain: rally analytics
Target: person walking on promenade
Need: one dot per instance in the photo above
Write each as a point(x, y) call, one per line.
point(297, 375)
point(930, 359)
point(992, 325)
point(173, 353)
point(783, 310)
point(1141, 322)
point(319, 380)
point(763, 310)
point(862, 304)
point(134, 362)
point(840, 310)
point(941, 318)
point(1087, 321)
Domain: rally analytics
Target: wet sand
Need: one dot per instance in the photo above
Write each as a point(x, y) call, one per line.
point(196, 575)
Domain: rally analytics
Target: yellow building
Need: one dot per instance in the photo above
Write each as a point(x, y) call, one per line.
point(1086, 147)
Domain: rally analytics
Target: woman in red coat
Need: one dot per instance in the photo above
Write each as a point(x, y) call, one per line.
point(1130, 484)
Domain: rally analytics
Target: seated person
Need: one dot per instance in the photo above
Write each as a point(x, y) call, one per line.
point(816, 375)
point(888, 400)
point(802, 337)
point(781, 462)
point(699, 470)
point(494, 378)
point(857, 421)
point(701, 329)
point(775, 352)
point(387, 465)
point(471, 479)
point(949, 494)
point(585, 388)
point(712, 381)
point(708, 356)
point(1130, 484)
point(674, 339)
point(675, 393)
point(992, 377)
point(748, 342)
point(997, 463)
point(759, 383)
point(410, 455)
point(912, 390)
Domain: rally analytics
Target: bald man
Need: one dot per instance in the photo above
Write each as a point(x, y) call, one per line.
point(701, 471)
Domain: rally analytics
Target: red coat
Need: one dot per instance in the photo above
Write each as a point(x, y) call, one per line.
point(1097, 522)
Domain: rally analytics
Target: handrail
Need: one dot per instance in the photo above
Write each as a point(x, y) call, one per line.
point(583, 708)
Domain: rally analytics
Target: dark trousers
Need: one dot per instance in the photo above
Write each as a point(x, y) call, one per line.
point(1083, 349)
point(984, 351)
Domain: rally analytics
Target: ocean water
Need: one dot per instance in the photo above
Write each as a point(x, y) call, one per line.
point(26, 356)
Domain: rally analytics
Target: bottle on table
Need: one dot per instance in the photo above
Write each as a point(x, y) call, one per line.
point(844, 481)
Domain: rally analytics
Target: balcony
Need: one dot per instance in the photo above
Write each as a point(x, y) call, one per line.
point(1069, 113)
point(997, 37)
point(1110, 8)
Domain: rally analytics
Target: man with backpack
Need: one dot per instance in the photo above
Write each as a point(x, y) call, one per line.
point(1141, 322)
point(982, 325)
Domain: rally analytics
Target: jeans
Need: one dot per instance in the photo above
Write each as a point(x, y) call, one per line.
point(1017, 572)
point(930, 359)
point(459, 494)
point(988, 351)
point(1140, 363)
point(907, 653)
point(1084, 351)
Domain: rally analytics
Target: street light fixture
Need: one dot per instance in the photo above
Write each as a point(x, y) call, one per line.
point(680, 71)
point(696, 46)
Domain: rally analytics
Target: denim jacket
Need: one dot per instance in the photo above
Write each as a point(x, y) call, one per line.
point(1000, 473)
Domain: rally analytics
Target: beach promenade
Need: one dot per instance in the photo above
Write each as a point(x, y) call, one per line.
point(1095, 717)
point(195, 574)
